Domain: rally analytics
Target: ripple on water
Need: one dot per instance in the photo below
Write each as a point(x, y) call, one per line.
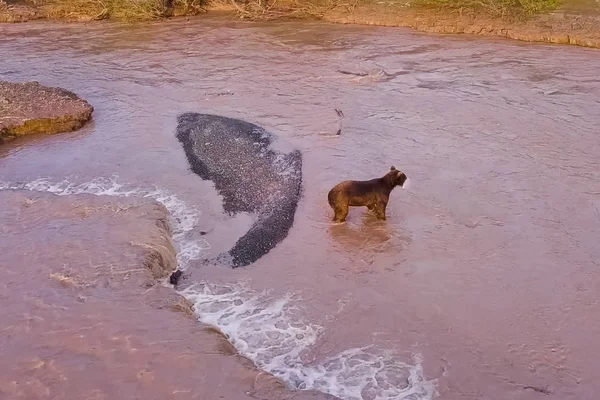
point(268, 330)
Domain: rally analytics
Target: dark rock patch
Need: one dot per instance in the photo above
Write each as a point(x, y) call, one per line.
point(250, 174)
point(175, 276)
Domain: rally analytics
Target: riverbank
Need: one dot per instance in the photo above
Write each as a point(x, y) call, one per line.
point(86, 317)
point(559, 27)
point(575, 22)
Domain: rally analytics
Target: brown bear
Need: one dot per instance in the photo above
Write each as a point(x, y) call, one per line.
point(373, 194)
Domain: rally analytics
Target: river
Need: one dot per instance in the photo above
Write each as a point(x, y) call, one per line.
point(483, 283)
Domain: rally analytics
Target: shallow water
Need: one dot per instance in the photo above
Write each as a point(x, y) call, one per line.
point(483, 282)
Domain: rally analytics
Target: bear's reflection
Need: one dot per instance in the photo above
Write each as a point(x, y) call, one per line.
point(366, 233)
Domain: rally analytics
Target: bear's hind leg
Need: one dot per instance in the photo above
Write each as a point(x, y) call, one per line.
point(341, 212)
point(380, 211)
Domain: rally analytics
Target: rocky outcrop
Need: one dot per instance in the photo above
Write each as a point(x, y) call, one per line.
point(250, 174)
point(28, 108)
point(83, 316)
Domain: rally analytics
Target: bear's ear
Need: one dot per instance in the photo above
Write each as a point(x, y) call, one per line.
point(393, 168)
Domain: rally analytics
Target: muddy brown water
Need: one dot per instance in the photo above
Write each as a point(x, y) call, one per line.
point(486, 272)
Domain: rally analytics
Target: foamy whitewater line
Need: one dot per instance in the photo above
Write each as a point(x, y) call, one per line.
point(269, 332)
point(272, 334)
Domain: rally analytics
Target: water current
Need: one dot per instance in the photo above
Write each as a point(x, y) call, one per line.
point(484, 281)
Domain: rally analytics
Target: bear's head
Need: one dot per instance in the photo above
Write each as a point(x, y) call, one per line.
point(395, 177)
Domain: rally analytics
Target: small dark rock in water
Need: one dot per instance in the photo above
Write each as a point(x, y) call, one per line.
point(175, 276)
point(203, 233)
point(341, 71)
point(538, 389)
point(340, 114)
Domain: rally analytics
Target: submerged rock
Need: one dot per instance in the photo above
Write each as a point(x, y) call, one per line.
point(175, 276)
point(250, 173)
point(28, 108)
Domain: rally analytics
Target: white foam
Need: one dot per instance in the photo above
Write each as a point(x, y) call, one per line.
point(272, 334)
point(268, 331)
point(183, 217)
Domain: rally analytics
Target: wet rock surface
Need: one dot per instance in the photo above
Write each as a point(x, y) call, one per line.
point(29, 108)
point(85, 318)
point(250, 174)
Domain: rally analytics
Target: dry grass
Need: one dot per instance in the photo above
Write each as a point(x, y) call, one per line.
point(10, 12)
point(267, 9)
point(122, 10)
point(142, 10)
point(496, 8)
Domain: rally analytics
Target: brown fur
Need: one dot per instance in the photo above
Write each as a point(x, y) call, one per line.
point(373, 194)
